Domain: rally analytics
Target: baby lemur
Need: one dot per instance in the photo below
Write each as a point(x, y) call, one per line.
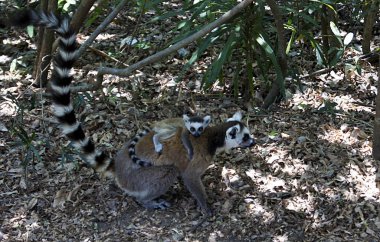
point(166, 128)
point(145, 184)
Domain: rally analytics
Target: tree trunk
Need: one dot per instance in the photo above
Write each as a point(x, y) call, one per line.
point(81, 14)
point(370, 10)
point(281, 53)
point(376, 131)
point(325, 31)
point(44, 48)
point(248, 37)
point(376, 127)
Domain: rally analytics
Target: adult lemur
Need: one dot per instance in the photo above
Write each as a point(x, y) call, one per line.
point(146, 184)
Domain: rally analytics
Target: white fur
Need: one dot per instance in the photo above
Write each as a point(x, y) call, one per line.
point(68, 56)
point(64, 27)
point(81, 143)
point(60, 89)
point(236, 117)
point(206, 120)
point(136, 194)
point(66, 129)
point(63, 72)
point(61, 110)
point(69, 41)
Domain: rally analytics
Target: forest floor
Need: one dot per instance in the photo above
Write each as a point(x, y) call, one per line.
point(310, 177)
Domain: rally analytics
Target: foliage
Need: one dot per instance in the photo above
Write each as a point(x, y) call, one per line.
point(25, 139)
point(230, 43)
point(67, 5)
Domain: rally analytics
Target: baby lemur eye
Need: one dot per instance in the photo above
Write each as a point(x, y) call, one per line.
point(200, 129)
point(192, 129)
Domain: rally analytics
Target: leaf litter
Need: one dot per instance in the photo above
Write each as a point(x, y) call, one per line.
point(311, 176)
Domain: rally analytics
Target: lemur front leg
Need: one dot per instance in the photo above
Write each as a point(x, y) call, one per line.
point(187, 143)
point(195, 186)
point(157, 143)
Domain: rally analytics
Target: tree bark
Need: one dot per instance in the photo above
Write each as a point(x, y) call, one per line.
point(376, 131)
point(100, 28)
point(44, 48)
point(376, 127)
point(325, 31)
point(275, 90)
point(81, 14)
point(370, 10)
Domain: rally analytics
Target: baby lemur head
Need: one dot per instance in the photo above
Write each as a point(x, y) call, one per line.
point(196, 125)
point(237, 134)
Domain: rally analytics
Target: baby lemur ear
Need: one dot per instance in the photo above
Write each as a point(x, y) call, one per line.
point(186, 118)
point(206, 120)
point(236, 117)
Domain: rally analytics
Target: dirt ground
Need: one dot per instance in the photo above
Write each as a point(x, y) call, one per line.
point(310, 177)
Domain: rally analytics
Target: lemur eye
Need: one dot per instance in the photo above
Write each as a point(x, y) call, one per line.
point(200, 129)
point(233, 133)
point(192, 129)
point(246, 137)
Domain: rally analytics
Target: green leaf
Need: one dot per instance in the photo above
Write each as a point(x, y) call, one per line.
point(305, 17)
point(30, 31)
point(335, 29)
point(347, 40)
point(13, 65)
point(338, 55)
point(214, 70)
point(273, 58)
point(291, 41)
point(210, 39)
point(326, 4)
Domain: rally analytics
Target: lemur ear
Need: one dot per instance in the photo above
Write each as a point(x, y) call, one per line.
point(236, 117)
point(186, 118)
point(206, 120)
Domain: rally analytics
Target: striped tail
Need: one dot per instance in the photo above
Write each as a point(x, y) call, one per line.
point(61, 79)
point(132, 151)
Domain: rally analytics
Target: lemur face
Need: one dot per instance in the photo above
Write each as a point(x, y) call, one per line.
point(238, 135)
point(196, 125)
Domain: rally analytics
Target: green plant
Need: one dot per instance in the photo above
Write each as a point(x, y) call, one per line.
point(243, 42)
point(28, 142)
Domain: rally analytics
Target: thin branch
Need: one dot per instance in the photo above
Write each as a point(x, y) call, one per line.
point(328, 69)
point(100, 28)
point(160, 55)
point(105, 55)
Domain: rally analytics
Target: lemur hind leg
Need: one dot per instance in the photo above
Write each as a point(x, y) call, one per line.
point(160, 179)
point(145, 184)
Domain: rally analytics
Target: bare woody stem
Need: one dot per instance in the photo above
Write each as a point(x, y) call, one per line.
point(100, 28)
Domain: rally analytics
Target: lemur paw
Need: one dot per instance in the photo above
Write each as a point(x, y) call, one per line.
point(157, 204)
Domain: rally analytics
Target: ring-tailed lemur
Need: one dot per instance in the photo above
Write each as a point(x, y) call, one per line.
point(166, 128)
point(145, 184)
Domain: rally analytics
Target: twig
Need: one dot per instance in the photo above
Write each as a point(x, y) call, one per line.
point(100, 28)
point(103, 54)
point(325, 70)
